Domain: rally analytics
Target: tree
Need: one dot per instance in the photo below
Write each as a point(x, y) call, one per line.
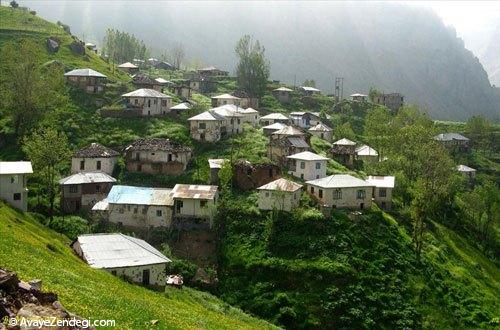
point(48, 150)
point(253, 68)
point(121, 46)
point(373, 93)
point(14, 4)
point(344, 131)
point(377, 129)
point(479, 129)
point(309, 83)
point(178, 54)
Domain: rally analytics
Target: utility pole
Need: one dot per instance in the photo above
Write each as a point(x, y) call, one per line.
point(339, 88)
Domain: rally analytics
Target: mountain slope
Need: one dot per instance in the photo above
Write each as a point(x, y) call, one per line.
point(389, 46)
point(33, 251)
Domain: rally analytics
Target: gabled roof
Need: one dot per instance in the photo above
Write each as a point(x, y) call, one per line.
point(163, 81)
point(226, 111)
point(140, 196)
point(146, 92)
point(207, 116)
point(297, 142)
point(289, 130)
point(284, 89)
point(465, 168)
point(282, 185)
point(128, 65)
point(87, 177)
point(276, 126)
point(181, 106)
point(358, 95)
point(310, 89)
point(118, 250)
point(381, 181)
point(339, 181)
point(156, 144)
point(84, 73)
point(15, 168)
point(216, 163)
point(192, 191)
point(307, 155)
point(226, 96)
point(345, 142)
point(320, 128)
point(247, 110)
point(450, 137)
point(95, 150)
point(366, 151)
point(275, 116)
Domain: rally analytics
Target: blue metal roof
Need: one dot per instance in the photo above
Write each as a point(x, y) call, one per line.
point(139, 195)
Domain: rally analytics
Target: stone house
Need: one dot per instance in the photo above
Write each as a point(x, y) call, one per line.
point(393, 101)
point(246, 100)
point(128, 68)
point(270, 129)
point(454, 141)
point(148, 102)
point(343, 151)
point(81, 191)
point(224, 99)
point(467, 172)
point(250, 115)
point(181, 90)
point(285, 142)
point(194, 201)
point(366, 154)
point(283, 94)
point(341, 191)
point(307, 90)
point(359, 97)
point(202, 84)
point(215, 165)
point(248, 176)
point(123, 256)
point(233, 119)
point(281, 195)
point(157, 155)
point(382, 190)
point(322, 131)
point(274, 118)
point(212, 71)
point(94, 158)
point(206, 126)
point(304, 119)
point(141, 81)
point(307, 165)
point(13, 187)
point(88, 80)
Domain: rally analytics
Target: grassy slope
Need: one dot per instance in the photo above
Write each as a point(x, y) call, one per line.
point(97, 294)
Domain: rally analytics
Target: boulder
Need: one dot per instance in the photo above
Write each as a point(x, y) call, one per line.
point(77, 47)
point(53, 44)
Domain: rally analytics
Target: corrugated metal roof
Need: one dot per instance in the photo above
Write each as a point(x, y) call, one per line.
point(298, 142)
point(128, 65)
point(140, 196)
point(118, 250)
point(146, 92)
point(281, 184)
point(207, 116)
point(226, 96)
point(216, 163)
point(465, 168)
point(276, 126)
point(366, 151)
point(307, 155)
point(339, 181)
point(284, 89)
point(84, 73)
point(345, 142)
point(320, 128)
point(275, 116)
point(381, 181)
point(191, 191)
point(15, 168)
point(87, 177)
point(450, 137)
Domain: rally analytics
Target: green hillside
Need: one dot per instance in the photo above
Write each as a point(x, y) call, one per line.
point(33, 251)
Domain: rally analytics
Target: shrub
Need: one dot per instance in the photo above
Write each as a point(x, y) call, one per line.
point(71, 226)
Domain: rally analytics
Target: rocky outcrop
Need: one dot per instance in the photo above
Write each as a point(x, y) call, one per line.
point(77, 47)
point(25, 300)
point(53, 44)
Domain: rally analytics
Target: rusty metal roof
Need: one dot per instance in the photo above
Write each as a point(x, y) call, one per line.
point(191, 191)
point(281, 184)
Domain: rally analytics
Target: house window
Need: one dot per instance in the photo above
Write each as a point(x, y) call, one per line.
point(113, 272)
point(239, 121)
point(164, 103)
point(82, 165)
point(302, 165)
point(144, 210)
point(360, 194)
point(158, 213)
point(136, 101)
point(202, 136)
point(97, 188)
point(137, 156)
point(312, 190)
point(135, 210)
point(302, 176)
point(154, 101)
point(337, 194)
point(17, 196)
point(149, 103)
point(98, 165)
point(382, 192)
point(270, 172)
point(266, 194)
point(320, 193)
point(318, 165)
point(232, 121)
point(14, 179)
point(203, 203)
point(73, 189)
point(202, 125)
point(122, 210)
point(169, 157)
point(152, 154)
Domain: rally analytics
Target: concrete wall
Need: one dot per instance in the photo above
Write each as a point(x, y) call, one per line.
point(349, 197)
point(211, 132)
point(90, 164)
point(279, 200)
point(185, 207)
point(157, 161)
point(383, 202)
point(14, 186)
point(84, 197)
point(310, 171)
point(157, 273)
point(219, 102)
point(140, 216)
point(151, 106)
point(283, 96)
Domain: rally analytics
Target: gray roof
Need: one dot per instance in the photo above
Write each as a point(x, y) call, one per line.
point(15, 168)
point(87, 177)
point(365, 150)
point(118, 250)
point(282, 185)
point(84, 73)
point(320, 128)
point(207, 116)
point(128, 65)
point(226, 96)
point(345, 142)
point(381, 181)
point(146, 92)
point(289, 130)
point(275, 116)
point(181, 106)
point(96, 150)
point(307, 155)
point(450, 137)
point(276, 126)
point(297, 142)
point(465, 168)
point(226, 111)
point(339, 181)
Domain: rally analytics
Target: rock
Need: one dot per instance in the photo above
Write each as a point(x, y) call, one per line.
point(23, 286)
point(77, 47)
point(36, 285)
point(8, 280)
point(53, 44)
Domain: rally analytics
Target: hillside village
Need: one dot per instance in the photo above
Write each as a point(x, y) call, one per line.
point(166, 167)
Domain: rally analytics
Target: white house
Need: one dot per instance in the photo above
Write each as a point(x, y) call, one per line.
point(250, 115)
point(359, 97)
point(13, 183)
point(224, 99)
point(274, 118)
point(322, 131)
point(123, 256)
point(148, 102)
point(307, 165)
point(233, 119)
point(270, 129)
point(466, 171)
point(86, 79)
point(94, 157)
point(304, 119)
point(194, 201)
point(342, 191)
point(382, 191)
point(206, 126)
point(283, 94)
point(366, 154)
point(280, 194)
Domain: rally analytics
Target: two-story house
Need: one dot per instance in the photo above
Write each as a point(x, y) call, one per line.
point(206, 126)
point(94, 158)
point(88, 80)
point(280, 195)
point(148, 102)
point(307, 165)
point(13, 177)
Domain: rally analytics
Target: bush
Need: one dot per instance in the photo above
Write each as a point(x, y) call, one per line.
point(183, 267)
point(71, 226)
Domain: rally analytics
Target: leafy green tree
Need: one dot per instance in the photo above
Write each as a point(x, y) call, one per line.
point(309, 83)
point(344, 131)
point(372, 93)
point(14, 4)
point(48, 150)
point(252, 70)
point(479, 129)
point(377, 129)
point(121, 46)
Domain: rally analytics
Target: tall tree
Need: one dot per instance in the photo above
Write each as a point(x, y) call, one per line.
point(377, 129)
point(48, 150)
point(479, 129)
point(178, 54)
point(121, 46)
point(253, 68)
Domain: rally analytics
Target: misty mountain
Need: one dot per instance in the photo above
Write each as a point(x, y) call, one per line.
point(389, 46)
point(491, 56)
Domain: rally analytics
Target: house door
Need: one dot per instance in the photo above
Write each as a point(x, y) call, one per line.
point(145, 276)
point(362, 206)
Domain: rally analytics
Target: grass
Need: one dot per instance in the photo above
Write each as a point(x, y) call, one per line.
point(33, 251)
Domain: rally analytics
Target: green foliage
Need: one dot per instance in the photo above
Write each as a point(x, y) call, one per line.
point(120, 46)
point(309, 83)
point(183, 267)
point(72, 226)
point(253, 68)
